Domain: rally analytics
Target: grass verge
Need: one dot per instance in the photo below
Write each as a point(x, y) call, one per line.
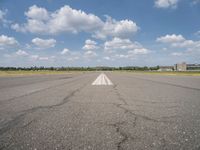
point(25, 73)
point(184, 73)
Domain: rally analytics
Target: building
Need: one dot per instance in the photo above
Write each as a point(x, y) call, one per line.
point(166, 68)
point(193, 67)
point(180, 67)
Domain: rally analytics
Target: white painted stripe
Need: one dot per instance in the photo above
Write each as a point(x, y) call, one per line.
point(102, 79)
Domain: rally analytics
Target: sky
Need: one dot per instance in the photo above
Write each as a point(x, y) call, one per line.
point(99, 32)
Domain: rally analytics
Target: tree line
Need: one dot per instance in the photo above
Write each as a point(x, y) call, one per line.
point(128, 68)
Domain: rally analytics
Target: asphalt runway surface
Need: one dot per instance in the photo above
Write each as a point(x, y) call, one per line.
point(133, 112)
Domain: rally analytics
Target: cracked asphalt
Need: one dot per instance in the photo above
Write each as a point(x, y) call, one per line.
point(137, 112)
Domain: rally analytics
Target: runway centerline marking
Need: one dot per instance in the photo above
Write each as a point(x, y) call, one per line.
point(102, 79)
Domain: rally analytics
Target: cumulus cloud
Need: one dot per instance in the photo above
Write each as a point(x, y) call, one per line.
point(115, 28)
point(90, 45)
point(44, 43)
point(37, 13)
point(21, 53)
point(124, 48)
point(121, 56)
point(3, 19)
point(7, 41)
point(166, 3)
point(34, 57)
point(2, 15)
point(139, 51)
point(121, 44)
point(178, 41)
point(74, 58)
point(65, 51)
point(67, 19)
point(41, 58)
point(90, 54)
point(185, 43)
point(170, 38)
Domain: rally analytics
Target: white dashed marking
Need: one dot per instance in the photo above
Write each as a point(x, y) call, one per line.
point(102, 79)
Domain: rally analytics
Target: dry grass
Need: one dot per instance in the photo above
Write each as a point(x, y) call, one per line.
point(48, 72)
point(25, 73)
point(184, 73)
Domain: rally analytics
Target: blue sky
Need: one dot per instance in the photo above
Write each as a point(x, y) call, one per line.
point(100, 32)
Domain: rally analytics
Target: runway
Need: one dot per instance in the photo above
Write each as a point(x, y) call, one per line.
point(100, 111)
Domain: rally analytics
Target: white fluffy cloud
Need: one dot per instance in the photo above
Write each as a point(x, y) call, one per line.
point(34, 57)
point(178, 41)
point(44, 43)
point(65, 51)
point(7, 41)
point(41, 58)
point(185, 44)
point(21, 53)
point(2, 15)
point(170, 38)
point(166, 3)
point(124, 48)
point(90, 45)
point(115, 28)
point(139, 51)
point(66, 19)
point(90, 54)
point(74, 58)
point(37, 13)
point(121, 44)
point(3, 20)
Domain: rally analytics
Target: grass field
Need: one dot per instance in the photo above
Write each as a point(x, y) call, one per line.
point(48, 72)
point(184, 73)
point(24, 73)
